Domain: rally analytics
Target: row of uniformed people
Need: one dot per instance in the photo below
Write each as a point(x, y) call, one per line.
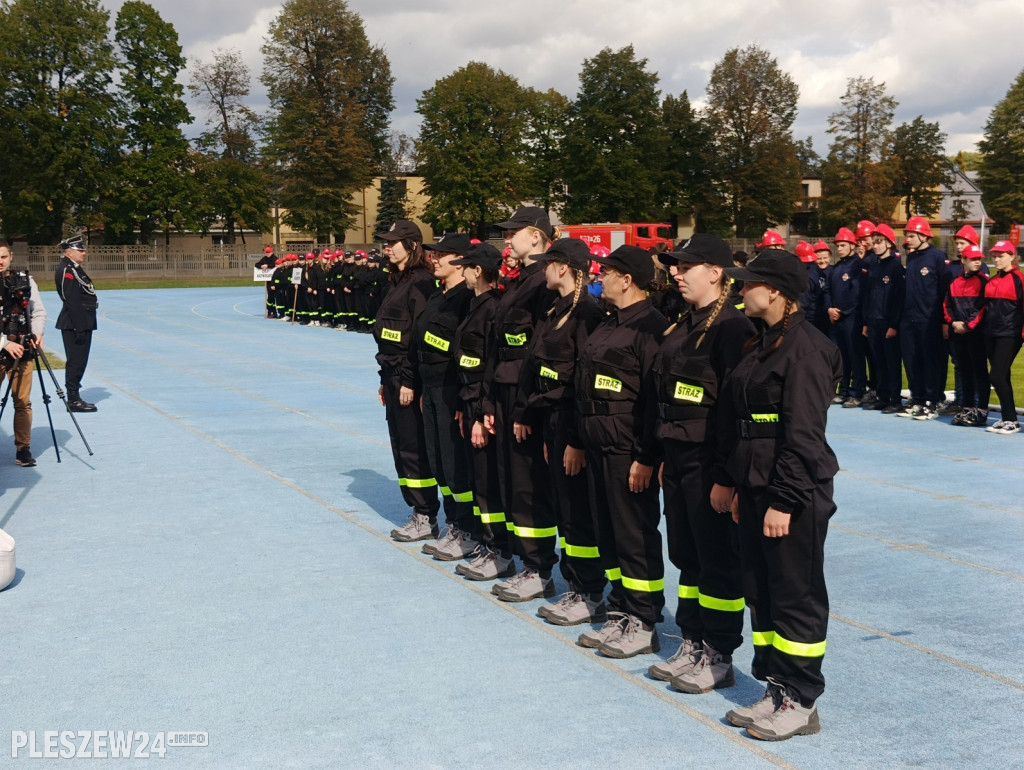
point(571, 416)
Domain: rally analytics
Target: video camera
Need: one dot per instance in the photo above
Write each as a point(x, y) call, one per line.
point(15, 315)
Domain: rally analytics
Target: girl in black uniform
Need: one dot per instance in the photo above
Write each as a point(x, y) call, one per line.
point(774, 471)
point(400, 387)
point(689, 370)
point(547, 392)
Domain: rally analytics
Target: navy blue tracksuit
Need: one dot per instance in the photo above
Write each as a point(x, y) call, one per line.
point(924, 350)
point(884, 290)
point(843, 291)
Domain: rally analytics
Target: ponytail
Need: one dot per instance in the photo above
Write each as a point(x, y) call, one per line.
point(575, 298)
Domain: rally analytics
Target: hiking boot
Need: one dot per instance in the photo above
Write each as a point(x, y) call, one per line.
point(459, 545)
point(446, 535)
point(789, 719)
point(947, 408)
point(681, 660)
point(852, 403)
point(744, 716)
point(24, 458)
point(837, 399)
point(634, 640)
point(612, 629)
point(419, 527)
point(926, 412)
point(1004, 427)
point(711, 671)
point(524, 586)
point(575, 608)
point(487, 564)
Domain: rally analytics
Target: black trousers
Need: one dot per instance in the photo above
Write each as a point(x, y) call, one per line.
point(409, 448)
point(628, 536)
point(924, 358)
point(704, 545)
point(488, 511)
point(581, 559)
point(968, 353)
point(525, 487)
point(1001, 352)
point(76, 356)
point(888, 368)
point(784, 583)
point(844, 334)
point(446, 453)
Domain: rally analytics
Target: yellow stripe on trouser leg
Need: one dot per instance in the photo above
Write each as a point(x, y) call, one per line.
point(799, 649)
point(580, 551)
point(762, 638)
point(647, 586)
point(688, 592)
point(723, 605)
point(463, 497)
point(446, 491)
point(534, 532)
point(492, 518)
point(417, 483)
point(613, 574)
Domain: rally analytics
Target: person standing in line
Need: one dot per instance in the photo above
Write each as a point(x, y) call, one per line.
point(690, 368)
point(843, 300)
point(1004, 330)
point(965, 237)
point(884, 290)
point(964, 310)
point(77, 319)
point(773, 472)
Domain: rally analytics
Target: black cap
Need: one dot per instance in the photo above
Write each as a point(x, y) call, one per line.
point(76, 243)
point(479, 255)
point(701, 248)
point(529, 216)
point(450, 243)
point(572, 251)
point(779, 269)
point(402, 230)
point(631, 260)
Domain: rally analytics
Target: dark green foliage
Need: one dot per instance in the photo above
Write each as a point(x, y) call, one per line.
point(1001, 172)
point(918, 166)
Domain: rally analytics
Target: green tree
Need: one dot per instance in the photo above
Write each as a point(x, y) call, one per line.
point(392, 204)
point(919, 166)
point(58, 117)
point(1001, 171)
point(613, 141)
point(471, 147)
point(751, 109)
point(545, 132)
point(154, 186)
point(228, 168)
point(810, 161)
point(856, 181)
point(687, 185)
point(330, 93)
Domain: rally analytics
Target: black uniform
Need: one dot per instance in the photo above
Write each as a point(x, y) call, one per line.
point(547, 395)
point(702, 543)
point(268, 260)
point(406, 300)
point(844, 292)
point(773, 452)
point(77, 321)
point(618, 406)
point(882, 309)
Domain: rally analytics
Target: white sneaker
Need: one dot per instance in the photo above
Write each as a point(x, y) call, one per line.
point(1004, 427)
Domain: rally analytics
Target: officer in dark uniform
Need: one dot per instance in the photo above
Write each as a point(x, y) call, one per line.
point(773, 471)
point(884, 290)
point(267, 260)
point(77, 319)
point(843, 300)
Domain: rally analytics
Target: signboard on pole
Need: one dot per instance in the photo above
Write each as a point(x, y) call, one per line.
point(262, 273)
point(296, 275)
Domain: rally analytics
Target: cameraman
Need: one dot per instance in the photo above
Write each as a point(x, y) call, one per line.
point(77, 318)
point(19, 321)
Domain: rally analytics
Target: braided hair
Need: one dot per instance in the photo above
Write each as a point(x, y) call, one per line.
point(723, 297)
point(575, 297)
point(791, 307)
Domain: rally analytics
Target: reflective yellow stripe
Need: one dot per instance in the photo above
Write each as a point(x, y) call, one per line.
point(724, 605)
point(446, 491)
point(551, 374)
point(492, 518)
point(692, 393)
point(764, 417)
point(649, 586)
point(417, 483)
point(604, 382)
point(613, 574)
point(509, 526)
point(579, 551)
point(515, 340)
point(436, 342)
point(688, 592)
point(391, 335)
point(463, 497)
point(799, 649)
point(534, 532)
point(762, 638)
point(468, 362)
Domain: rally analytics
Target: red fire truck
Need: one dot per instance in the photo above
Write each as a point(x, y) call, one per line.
point(613, 234)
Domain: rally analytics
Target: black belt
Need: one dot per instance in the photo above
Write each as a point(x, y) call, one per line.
point(604, 407)
point(512, 354)
point(468, 378)
point(675, 412)
point(748, 429)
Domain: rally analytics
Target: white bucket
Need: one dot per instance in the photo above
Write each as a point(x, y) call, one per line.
point(6, 560)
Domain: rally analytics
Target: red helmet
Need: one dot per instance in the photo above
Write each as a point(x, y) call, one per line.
point(804, 251)
point(506, 252)
point(1003, 247)
point(821, 246)
point(972, 252)
point(772, 238)
point(918, 225)
point(268, 250)
point(886, 232)
point(278, 261)
point(598, 250)
point(309, 255)
point(845, 235)
point(865, 229)
point(474, 241)
point(595, 266)
point(360, 254)
point(969, 234)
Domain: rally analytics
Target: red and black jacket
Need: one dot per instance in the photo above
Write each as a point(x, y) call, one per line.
point(1004, 304)
point(965, 300)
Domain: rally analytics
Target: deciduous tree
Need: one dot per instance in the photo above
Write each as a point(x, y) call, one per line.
point(1002, 158)
point(919, 166)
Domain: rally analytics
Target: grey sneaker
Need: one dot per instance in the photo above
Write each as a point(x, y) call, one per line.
point(681, 660)
point(789, 719)
point(910, 410)
point(574, 608)
point(852, 403)
point(634, 640)
point(488, 564)
point(744, 716)
point(443, 539)
point(611, 629)
point(949, 407)
point(524, 586)
point(926, 412)
point(1004, 427)
point(711, 671)
point(459, 545)
point(419, 527)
